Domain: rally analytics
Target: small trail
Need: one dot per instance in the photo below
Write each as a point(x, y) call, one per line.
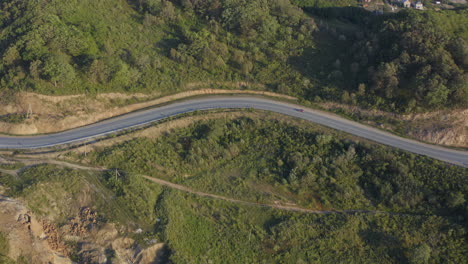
point(34, 162)
point(10, 172)
point(277, 206)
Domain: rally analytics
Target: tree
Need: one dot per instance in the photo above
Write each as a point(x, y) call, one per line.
point(438, 93)
point(35, 46)
point(57, 69)
point(246, 67)
point(345, 98)
point(386, 79)
point(99, 72)
point(126, 76)
point(420, 254)
point(151, 6)
point(168, 10)
point(238, 58)
point(187, 4)
point(11, 56)
point(35, 68)
point(459, 50)
point(456, 199)
point(362, 89)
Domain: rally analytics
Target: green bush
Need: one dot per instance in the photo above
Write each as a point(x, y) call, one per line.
point(4, 245)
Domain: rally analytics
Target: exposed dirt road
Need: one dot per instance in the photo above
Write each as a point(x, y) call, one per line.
point(35, 162)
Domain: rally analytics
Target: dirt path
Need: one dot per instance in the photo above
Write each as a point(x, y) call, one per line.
point(35, 162)
point(277, 206)
point(10, 172)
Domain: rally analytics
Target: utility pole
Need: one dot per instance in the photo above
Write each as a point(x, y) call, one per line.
point(116, 174)
point(30, 112)
point(85, 150)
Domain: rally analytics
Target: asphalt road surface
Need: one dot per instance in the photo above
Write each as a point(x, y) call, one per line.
point(215, 102)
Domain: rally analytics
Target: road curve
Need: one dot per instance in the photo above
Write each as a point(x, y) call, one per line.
point(216, 102)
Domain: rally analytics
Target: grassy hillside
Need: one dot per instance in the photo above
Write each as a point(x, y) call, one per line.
point(333, 52)
point(200, 230)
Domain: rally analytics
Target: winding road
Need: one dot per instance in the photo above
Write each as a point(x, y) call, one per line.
point(234, 102)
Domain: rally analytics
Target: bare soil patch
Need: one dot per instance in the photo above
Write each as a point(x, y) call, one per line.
point(28, 236)
point(40, 240)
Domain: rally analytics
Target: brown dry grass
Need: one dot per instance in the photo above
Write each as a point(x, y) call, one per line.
point(168, 126)
point(58, 113)
point(444, 127)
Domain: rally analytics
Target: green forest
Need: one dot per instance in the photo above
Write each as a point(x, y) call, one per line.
point(416, 207)
point(313, 49)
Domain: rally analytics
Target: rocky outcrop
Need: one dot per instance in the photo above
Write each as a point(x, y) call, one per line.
point(27, 235)
point(84, 237)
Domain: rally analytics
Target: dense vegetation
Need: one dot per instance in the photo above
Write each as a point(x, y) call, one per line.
point(75, 46)
point(399, 61)
point(335, 52)
point(270, 160)
point(415, 59)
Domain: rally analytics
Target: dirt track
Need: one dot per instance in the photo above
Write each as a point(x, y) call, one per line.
point(35, 162)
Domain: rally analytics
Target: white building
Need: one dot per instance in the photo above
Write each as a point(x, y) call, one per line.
point(419, 5)
point(405, 3)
